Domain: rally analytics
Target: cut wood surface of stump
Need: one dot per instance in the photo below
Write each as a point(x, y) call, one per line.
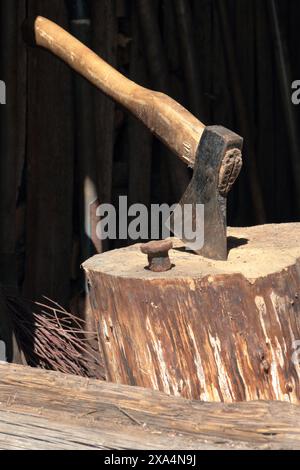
point(210, 330)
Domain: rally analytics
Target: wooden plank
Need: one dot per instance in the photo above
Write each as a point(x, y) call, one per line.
point(286, 154)
point(12, 130)
point(50, 167)
point(8, 344)
point(49, 410)
point(189, 58)
point(104, 43)
point(265, 109)
point(223, 105)
point(139, 138)
point(162, 184)
point(21, 142)
point(243, 25)
point(7, 139)
point(203, 32)
point(171, 168)
point(85, 197)
point(241, 110)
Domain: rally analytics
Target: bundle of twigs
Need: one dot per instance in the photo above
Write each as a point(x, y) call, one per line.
point(52, 338)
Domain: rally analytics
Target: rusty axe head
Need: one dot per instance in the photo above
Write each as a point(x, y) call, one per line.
point(218, 162)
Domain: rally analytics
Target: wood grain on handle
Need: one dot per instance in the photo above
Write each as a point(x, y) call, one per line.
point(167, 119)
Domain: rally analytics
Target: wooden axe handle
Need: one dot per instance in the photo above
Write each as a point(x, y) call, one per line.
point(167, 119)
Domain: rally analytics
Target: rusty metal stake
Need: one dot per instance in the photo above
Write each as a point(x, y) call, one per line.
point(158, 255)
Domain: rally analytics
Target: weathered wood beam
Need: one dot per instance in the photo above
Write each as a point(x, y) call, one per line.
point(49, 410)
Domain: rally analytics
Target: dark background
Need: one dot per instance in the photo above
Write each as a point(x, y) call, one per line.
point(230, 62)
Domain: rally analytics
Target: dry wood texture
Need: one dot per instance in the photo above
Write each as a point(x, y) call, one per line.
point(209, 330)
point(48, 410)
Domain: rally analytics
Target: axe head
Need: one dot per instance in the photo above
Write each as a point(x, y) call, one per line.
point(217, 165)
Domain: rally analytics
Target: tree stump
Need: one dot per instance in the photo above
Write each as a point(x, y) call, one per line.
point(209, 330)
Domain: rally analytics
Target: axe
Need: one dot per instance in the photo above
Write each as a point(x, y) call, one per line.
point(213, 152)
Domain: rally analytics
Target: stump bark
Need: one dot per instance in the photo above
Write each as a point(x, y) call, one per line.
point(209, 330)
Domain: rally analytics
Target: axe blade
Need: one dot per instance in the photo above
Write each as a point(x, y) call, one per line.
point(217, 165)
